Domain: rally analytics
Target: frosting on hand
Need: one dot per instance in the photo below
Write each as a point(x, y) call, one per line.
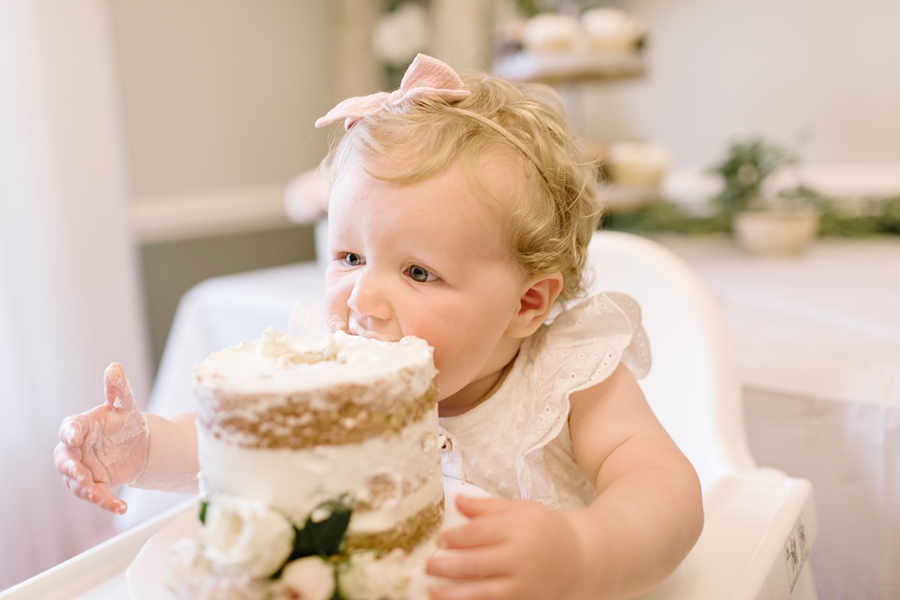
point(106, 447)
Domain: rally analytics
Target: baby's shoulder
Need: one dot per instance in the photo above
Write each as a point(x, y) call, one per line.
point(588, 339)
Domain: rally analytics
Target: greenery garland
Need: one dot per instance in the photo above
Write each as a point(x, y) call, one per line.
point(878, 216)
point(746, 166)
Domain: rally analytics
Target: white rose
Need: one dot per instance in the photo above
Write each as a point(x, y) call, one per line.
point(310, 578)
point(243, 536)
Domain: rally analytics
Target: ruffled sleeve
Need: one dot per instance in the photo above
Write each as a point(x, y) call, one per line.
point(636, 354)
point(580, 348)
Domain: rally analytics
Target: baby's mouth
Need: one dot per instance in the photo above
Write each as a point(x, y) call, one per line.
point(357, 329)
point(336, 323)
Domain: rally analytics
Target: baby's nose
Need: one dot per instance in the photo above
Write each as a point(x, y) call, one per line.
point(370, 297)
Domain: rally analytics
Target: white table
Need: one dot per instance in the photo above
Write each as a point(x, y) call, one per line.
point(818, 344)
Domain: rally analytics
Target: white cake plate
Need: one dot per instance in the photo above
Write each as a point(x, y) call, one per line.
point(147, 574)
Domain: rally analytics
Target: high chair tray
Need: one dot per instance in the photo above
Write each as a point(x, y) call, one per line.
point(759, 529)
point(758, 532)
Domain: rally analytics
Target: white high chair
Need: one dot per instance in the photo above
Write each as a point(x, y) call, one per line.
point(759, 524)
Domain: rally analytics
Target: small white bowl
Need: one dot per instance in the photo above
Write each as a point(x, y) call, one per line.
point(776, 233)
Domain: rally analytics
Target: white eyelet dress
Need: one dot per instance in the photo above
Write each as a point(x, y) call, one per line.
point(516, 444)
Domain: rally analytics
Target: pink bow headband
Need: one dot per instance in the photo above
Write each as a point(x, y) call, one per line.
point(427, 78)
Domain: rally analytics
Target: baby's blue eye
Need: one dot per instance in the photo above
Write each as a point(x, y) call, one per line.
point(353, 259)
point(420, 274)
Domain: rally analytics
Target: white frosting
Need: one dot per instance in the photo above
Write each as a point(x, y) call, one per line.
point(296, 481)
point(394, 575)
point(280, 364)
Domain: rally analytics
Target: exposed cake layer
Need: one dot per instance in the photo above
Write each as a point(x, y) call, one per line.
point(344, 415)
point(391, 478)
point(405, 536)
point(304, 391)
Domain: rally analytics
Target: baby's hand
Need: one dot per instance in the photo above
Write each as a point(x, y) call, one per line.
point(508, 549)
point(105, 447)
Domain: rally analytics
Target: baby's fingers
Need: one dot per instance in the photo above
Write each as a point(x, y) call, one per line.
point(68, 463)
point(469, 564)
point(499, 587)
point(118, 392)
point(96, 493)
point(471, 506)
point(80, 480)
point(71, 431)
point(473, 534)
point(104, 499)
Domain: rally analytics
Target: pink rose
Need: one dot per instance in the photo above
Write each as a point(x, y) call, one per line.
point(309, 578)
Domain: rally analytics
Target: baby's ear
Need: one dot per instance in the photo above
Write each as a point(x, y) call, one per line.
point(539, 292)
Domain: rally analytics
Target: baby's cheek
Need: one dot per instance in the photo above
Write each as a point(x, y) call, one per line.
point(336, 311)
point(449, 351)
point(445, 385)
point(412, 322)
point(451, 376)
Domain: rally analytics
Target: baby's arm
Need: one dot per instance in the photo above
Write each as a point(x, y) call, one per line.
point(114, 444)
point(647, 515)
point(649, 509)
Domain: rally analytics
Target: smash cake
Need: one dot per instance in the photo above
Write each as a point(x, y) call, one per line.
point(320, 473)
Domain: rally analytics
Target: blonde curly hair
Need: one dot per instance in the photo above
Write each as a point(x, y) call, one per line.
point(556, 209)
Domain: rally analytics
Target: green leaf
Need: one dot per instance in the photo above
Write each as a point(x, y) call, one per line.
point(323, 537)
point(747, 164)
point(328, 534)
point(203, 505)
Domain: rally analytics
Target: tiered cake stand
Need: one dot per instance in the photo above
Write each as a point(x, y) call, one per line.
point(568, 73)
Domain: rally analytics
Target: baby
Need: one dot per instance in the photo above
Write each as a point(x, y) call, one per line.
point(460, 213)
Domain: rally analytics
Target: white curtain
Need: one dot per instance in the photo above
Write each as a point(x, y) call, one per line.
point(69, 292)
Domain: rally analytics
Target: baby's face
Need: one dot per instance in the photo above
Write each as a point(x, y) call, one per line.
point(429, 260)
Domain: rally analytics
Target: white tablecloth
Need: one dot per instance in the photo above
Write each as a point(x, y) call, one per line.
point(818, 345)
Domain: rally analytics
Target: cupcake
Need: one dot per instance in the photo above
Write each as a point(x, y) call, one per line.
point(551, 32)
point(636, 163)
point(612, 30)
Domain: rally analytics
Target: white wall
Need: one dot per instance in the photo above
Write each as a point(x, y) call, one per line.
point(219, 99)
point(221, 94)
point(726, 68)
